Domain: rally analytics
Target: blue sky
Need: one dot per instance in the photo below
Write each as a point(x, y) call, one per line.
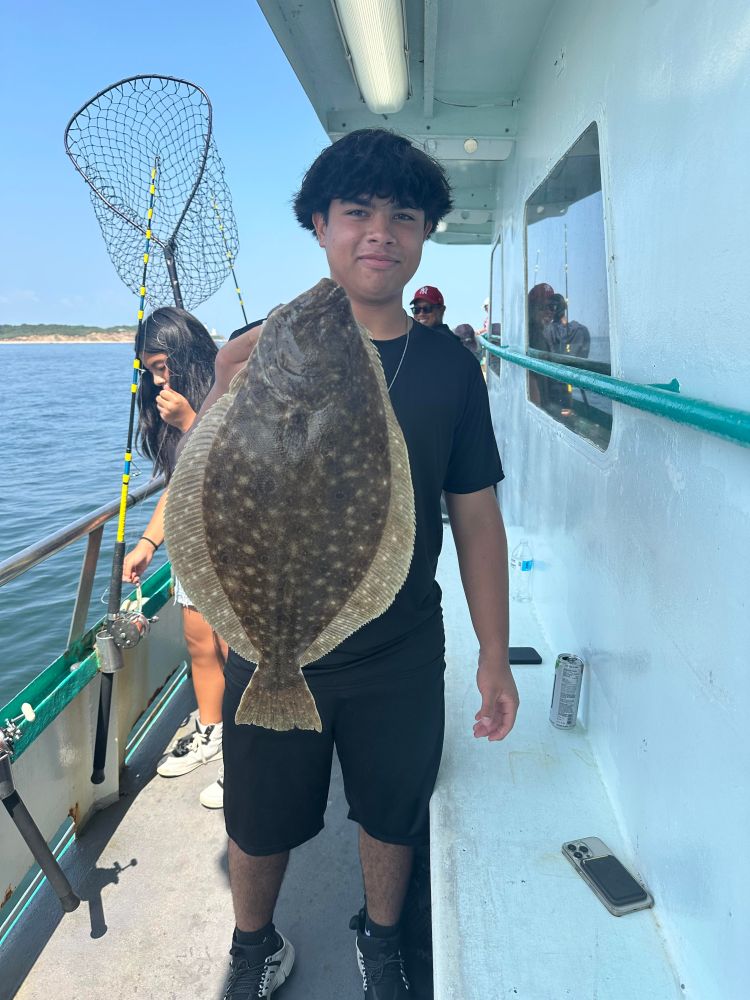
point(54, 57)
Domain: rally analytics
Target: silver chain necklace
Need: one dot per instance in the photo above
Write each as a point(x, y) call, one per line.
point(403, 355)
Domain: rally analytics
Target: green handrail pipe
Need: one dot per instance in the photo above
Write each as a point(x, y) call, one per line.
point(723, 421)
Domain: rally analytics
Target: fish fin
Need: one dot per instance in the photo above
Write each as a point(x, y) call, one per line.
point(185, 531)
point(268, 704)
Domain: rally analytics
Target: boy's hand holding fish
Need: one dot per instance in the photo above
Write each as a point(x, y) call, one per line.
point(232, 357)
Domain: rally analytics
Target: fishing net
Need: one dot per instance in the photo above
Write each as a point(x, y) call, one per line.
point(115, 141)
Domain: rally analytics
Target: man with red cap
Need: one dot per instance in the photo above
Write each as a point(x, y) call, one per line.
point(428, 308)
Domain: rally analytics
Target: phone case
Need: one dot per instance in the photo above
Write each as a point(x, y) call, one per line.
point(524, 654)
point(589, 848)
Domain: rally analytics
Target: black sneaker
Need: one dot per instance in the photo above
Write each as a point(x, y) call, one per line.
point(381, 965)
point(256, 973)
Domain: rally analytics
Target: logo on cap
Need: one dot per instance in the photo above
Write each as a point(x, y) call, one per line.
point(430, 294)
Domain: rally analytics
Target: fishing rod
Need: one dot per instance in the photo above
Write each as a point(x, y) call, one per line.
point(230, 260)
point(14, 806)
point(123, 629)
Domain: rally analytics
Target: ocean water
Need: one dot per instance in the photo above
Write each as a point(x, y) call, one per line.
point(64, 417)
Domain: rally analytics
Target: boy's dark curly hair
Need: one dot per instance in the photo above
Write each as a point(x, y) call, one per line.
point(374, 163)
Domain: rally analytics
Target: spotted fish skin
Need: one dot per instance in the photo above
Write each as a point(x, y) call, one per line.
point(300, 481)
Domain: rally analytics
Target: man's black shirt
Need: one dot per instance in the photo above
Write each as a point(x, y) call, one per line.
point(441, 403)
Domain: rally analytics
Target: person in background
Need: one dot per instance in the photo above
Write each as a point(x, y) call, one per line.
point(428, 308)
point(564, 337)
point(178, 367)
point(466, 335)
point(540, 315)
point(485, 323)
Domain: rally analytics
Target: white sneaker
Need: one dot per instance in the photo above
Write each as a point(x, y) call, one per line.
point(213, 796)
point(191, 751)
point(254, 973)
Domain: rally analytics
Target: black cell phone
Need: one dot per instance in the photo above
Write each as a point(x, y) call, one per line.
point(606, 876)
point(524, 654)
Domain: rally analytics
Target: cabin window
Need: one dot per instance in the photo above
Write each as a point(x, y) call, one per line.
point(495, 310)
point(566, 272)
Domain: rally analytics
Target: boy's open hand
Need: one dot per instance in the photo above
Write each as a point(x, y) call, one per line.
point(499, 699)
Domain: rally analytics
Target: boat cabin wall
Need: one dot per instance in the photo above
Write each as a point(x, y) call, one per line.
point(641, 550)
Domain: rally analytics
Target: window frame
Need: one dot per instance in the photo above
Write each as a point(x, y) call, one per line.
point(534, 381)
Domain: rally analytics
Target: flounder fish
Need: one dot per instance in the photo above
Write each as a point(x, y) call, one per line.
point(290, 515)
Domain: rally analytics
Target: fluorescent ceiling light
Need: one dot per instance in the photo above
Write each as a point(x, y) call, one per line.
point(374, 33)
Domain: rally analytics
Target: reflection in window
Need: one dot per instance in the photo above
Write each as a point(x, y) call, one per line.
point(568, 313)
point(495, 305)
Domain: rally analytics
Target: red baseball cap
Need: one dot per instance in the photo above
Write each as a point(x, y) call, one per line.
point(430, 294)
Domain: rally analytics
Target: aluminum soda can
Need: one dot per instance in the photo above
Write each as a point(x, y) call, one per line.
point(566, 691)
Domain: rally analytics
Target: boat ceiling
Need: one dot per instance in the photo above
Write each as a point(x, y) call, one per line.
point(467, 59)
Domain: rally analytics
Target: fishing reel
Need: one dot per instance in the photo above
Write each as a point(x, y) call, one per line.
point(11, 731)
point(124, 630)
point(130, 625)
point(128, 628)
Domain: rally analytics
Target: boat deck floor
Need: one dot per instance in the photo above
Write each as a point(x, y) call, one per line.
point(510, 917)
point(156, 912)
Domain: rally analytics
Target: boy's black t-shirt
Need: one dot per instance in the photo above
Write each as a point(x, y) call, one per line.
point(441, 403)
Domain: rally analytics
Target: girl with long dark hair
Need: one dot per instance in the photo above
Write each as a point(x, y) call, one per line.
point(178, 367)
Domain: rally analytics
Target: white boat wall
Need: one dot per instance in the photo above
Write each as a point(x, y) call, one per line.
point(641, 541)
point(642, 551)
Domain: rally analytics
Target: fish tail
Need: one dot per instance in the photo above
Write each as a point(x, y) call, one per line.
point(281, 706)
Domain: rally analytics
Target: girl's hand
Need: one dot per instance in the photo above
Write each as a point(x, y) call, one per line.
point(136, 562)
point(174, 409)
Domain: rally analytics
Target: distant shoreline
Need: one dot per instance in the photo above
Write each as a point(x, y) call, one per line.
point(61, 333)
point(81, 340)
point(65, 333)
point(66, 340)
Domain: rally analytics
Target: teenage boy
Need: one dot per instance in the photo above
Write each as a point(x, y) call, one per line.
point(372, 199)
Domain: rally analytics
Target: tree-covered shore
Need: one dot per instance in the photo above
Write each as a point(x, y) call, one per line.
point(53, 333)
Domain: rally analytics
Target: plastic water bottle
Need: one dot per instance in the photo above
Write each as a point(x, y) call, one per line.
point(521, 565)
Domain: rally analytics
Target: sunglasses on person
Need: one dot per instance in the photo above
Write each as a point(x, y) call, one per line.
point(416, 310)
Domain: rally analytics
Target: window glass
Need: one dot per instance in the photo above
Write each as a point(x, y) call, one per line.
point(567, 307)
point(494, 310)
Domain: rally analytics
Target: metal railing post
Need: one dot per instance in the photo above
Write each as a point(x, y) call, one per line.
point(85, 585)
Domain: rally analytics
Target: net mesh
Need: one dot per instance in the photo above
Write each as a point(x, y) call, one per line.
point(114, 141)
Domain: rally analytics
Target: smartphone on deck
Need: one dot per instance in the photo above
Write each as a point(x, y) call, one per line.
point(523, 654)
point(609, 878)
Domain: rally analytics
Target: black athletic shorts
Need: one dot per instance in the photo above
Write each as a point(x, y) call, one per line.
point(385, 716)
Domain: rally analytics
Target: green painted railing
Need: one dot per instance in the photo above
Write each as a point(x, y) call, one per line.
point(664, 401)
point(54, 689)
